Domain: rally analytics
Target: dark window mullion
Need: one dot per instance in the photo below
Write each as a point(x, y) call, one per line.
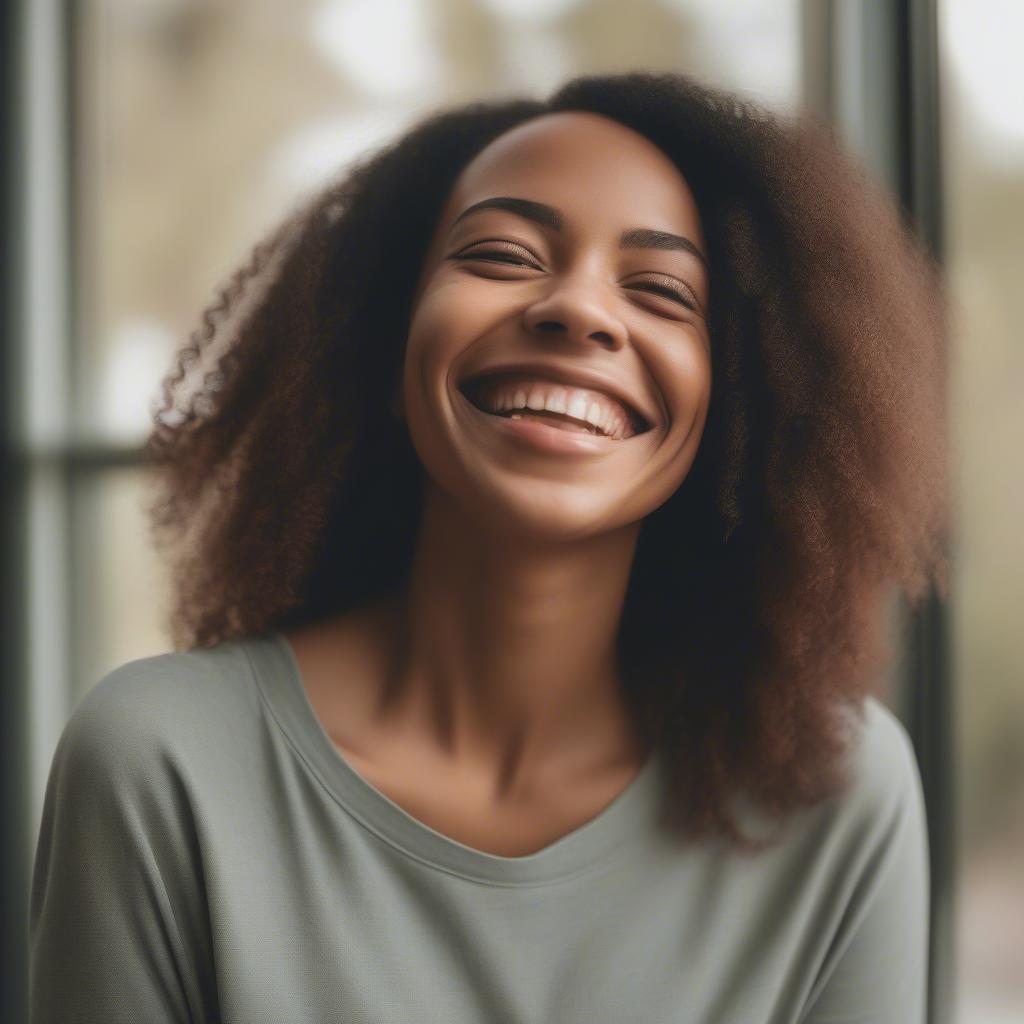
point(929, 681)
point(15, 857)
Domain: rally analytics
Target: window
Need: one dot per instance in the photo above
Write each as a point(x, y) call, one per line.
point(984, 204)
point(160, 139)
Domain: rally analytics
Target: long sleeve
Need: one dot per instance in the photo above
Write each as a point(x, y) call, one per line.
point(104, 923)
point(876, 970)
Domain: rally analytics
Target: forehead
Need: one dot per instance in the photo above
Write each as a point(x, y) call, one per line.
point(589, 166)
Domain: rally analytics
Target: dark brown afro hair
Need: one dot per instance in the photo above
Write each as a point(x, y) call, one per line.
point(755, 623)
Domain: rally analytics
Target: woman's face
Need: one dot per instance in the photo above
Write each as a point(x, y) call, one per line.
point(588, 293)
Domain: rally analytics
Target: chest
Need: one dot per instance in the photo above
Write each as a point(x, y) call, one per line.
point(444, 801)
point(447, 806)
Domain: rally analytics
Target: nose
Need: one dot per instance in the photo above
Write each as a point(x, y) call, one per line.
point(576, 308)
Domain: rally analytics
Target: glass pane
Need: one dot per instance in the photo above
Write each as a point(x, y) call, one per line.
point(203, 122)
point(984, 163)
point(119, 588)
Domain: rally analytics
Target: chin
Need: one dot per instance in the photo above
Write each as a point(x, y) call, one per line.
point(546, 512)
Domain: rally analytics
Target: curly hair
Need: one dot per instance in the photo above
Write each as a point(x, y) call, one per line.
point(754, 623)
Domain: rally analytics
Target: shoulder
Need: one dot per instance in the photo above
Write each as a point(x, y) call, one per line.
point(881, 792)
point(880, 811)
point(860, 860)
point(884, 775)
point(146, 712)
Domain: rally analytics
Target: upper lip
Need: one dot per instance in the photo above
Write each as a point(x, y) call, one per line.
point(574, 376)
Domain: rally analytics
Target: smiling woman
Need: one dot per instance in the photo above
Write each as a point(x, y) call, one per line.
point(532, 535)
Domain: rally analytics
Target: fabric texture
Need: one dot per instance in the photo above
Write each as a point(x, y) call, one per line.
point(206, 855)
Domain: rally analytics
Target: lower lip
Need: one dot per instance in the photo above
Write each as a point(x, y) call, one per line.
point(549, 439)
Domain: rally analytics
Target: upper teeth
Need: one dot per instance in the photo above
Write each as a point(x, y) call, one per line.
point(602, 412)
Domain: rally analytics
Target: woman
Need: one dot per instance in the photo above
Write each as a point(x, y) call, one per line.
point(534, 524)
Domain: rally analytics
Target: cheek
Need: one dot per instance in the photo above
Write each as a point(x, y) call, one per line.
point(432, 342)
point(681, 367)
point(428, 322)
point(455, 311)
point(684, 375)
point(452, 315)
point(443, 325)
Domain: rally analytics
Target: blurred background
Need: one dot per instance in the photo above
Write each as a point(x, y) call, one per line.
point(147, 144)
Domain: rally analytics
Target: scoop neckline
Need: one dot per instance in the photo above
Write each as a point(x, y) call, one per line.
point(590, 846)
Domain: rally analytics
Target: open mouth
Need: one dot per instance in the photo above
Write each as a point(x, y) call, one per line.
point(495, 397)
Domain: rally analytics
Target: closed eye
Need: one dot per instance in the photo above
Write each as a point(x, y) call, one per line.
point(500, 256)
point(668, 292)
point(493, 255)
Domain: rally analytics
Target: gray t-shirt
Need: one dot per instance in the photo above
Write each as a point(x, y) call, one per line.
point(206, 854)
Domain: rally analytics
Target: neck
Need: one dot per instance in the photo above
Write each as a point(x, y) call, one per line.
point(502, 651)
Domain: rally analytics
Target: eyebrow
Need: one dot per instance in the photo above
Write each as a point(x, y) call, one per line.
point(548, 216)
